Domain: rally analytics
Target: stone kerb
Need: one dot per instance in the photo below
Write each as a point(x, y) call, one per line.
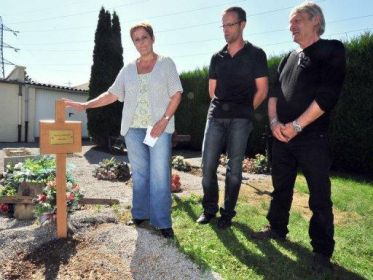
point(16, 155)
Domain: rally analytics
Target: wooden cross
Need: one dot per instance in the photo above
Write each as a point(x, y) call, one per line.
point(60, 137)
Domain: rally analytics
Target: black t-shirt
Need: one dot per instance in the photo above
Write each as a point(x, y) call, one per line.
point(235, 81)
point(316, 73)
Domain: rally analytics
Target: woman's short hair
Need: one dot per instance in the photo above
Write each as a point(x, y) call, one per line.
point(241, 14)
point(144, 25)
point(313, 10)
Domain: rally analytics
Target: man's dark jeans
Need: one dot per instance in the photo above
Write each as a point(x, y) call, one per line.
point(310, 152)
point(231, 134)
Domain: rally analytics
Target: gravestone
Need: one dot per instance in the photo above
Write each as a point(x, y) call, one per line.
point(24, 211)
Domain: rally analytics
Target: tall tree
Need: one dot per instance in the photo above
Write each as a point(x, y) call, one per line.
point(104, 122)
point(117, 50)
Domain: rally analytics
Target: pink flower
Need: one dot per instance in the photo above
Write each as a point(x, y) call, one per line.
point(42, 197)
point(70, 196)
point(4, 208)
point(76, 188)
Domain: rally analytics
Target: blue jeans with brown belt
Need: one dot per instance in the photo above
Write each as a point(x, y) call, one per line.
point(231, 134)
point(310, 152)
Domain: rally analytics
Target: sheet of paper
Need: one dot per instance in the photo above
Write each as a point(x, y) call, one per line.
point(150, 141)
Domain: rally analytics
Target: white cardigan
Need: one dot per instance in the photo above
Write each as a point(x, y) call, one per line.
point(164, 82)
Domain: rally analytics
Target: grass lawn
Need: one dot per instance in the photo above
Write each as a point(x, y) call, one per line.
point(235, 255)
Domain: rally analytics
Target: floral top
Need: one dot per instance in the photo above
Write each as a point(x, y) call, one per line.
point(142, 117)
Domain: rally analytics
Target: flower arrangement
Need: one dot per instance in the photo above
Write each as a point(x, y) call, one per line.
point(179, 163)
point(112, 169)
point(175, 183)
point(257, 165)
point(45, 203)
point(38, 170)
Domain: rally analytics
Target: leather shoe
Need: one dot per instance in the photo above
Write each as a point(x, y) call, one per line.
point(224, 222)
point(205, 218)
point(321, 263)
point(167, 233)
point(135, 222)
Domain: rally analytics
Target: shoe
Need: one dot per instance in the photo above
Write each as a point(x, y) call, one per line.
point(135, 222)
point(268, 233)
point(321, 263)
point(224, 222)
point(168, 233)
point(205, 218)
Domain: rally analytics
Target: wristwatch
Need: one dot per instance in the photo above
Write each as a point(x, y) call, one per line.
point(273, 122)
point(297, 126)
point(166, 117)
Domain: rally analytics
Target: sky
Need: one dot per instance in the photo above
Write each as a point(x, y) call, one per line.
point(55, 39)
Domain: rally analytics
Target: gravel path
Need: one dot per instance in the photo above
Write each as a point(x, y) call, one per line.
point(102, 247)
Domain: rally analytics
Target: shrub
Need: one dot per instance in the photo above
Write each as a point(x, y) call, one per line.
point(191, 115)
point(34, 170)
point(351, 130)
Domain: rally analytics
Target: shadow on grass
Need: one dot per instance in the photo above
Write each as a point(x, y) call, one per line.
point(258, 191)
point(361, 178)
point(271, 263)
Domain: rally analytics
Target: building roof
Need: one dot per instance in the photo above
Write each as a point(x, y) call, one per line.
point(19, 76)
point(43, 85)
point(84, 86)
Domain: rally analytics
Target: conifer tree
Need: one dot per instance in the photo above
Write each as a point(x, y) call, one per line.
point(104, 122)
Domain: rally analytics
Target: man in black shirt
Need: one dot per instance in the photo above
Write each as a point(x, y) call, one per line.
point(237, 86)
point(310, 81)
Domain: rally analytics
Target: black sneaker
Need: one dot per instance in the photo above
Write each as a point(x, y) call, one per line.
point(268, 233)
point(135, 222)
point(205, 218)
point(224, 222)
point(321, 263)
point(167, 233)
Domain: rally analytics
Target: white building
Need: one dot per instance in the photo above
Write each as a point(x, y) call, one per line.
point(23, 104)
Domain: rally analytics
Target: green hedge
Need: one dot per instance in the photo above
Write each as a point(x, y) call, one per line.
point(191, 115)
point(351, 128)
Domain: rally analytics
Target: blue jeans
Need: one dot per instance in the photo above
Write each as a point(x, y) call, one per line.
point(310, 152)
point(231, 134)
point(151, 177)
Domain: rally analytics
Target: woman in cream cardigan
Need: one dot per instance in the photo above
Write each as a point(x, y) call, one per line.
point(150, 90)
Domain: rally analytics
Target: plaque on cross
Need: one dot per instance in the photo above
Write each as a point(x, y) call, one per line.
point(60, 137)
